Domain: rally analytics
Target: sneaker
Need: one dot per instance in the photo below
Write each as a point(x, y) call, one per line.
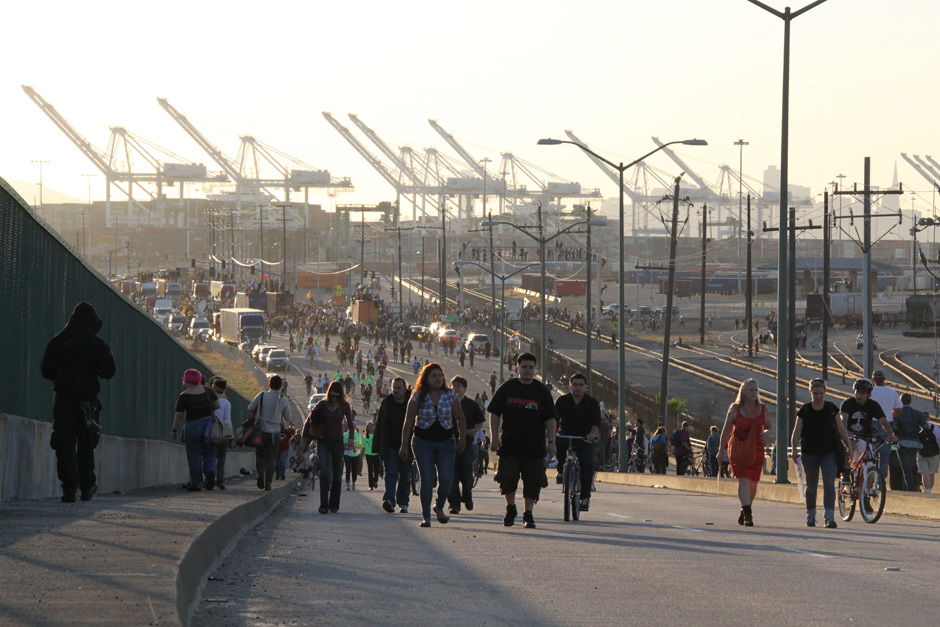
point(220, 486)
point(810, 523)
point(831, 524)
point(388, 507)
point(402, 509)
point(585, 505)
point(89, 493)
point(267, 488)
point(194, 488)
point(347, 486)
point(558, 478)
point(260, 483)
point(527, 521)
point(425, 524)
point(210, 480)
point(68, 497)
point(511, 513)
point(354, 485)
point(334, 510)
point(453, 510)
point(323, 510)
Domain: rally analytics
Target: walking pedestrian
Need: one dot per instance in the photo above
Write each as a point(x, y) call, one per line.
point(817, 432)
point(372, 457)
point(269, 410)
point(928, 457)
point(197, 404)
point(74, 360)
point(461, 490)
point(433, 414)
point(387, 441)
point(493, 382)
point(352, 457)
point(746, 415)
point(659, 451)
point(308, 383)
point(335, 414)
point(525, 410)
point(908, 427)
point(223, 415)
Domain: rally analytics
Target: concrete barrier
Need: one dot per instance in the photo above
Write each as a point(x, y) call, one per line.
point(917, 504)
point(28, 468)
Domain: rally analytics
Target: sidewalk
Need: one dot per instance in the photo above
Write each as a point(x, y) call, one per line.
point(121, 559)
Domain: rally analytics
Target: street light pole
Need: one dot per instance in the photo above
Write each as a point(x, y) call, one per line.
point(671, 287)
point(621, 429)
point(785, 404)
point(40, 162)
point(741, 144)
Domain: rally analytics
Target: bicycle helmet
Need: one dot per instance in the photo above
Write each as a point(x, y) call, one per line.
point(863, 385)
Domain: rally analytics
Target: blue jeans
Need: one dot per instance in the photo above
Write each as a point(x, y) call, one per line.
point(908, 457)
point(428, 455)
point(462, 484)
point(397, 479)
point(330, 453)
point(811, 467)
point(200, 453)
point(280, 469)
point(713, 463)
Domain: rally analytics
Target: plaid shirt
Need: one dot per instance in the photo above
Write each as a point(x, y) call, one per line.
point(428, 413)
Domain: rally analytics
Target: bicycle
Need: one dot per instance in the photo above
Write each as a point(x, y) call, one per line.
point(476, 467)
point(571, 480)
point(739, 351)
point(637, 463)
point(866, 483)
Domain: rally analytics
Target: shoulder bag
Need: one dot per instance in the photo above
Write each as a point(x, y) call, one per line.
point(252, 436)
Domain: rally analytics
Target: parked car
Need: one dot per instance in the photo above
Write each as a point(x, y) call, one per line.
point(610, 311)
point(860, 342)
point(277, 359)
point(644, 312)
point(198, 325)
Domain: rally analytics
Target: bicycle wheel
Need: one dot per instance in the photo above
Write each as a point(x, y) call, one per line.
point(576, 495)
point(846, 500)
point(475, 469)
point(567, 483)
point(873, 495)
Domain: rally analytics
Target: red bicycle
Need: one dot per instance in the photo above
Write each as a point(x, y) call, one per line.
point(866, 485)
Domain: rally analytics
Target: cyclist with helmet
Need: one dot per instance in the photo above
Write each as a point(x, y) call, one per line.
point(859, 414)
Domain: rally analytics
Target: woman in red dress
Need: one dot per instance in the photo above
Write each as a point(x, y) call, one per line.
point(745, 413)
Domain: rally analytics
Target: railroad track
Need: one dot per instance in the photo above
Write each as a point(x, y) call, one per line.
point(892, 359)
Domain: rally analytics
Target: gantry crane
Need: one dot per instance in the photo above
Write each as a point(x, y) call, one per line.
point(116, 162)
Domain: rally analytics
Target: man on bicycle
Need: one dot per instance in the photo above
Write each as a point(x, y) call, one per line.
point(579, 414)
point(859, 414)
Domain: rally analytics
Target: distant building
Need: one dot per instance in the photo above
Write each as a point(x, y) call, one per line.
point(799, 195)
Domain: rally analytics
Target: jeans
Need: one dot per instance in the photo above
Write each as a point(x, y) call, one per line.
point(713, 463)
point(200, 453)
point(908, 457)
point(585, 452)
point(220, 452)
point(75, 459)
point(428, 455)
point(397, 478)
point(266, 457)
point(353, 467)
point(812, 464)
point(462, 484)
point(682, 463)
point(280, 468)
point(372, 462)
point(884, 460)
point(330, 454)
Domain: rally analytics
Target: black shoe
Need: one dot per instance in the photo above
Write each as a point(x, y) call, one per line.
point(831, 524)
point(194, 488)
point(267, 488)
point(741, 518)
point(441, 518)
point(89, 493)
point(558, 479)
point(585, 505)
point(453, 510)
point(511, 513)
point(469, 505)
point(333, 510)
point(527, 521)
point(185, 486)
point(323, 510)
point(210, 480)
point(425, 524)
point(810, 523)
point(260, 483)
point(388, 507)
point(68, 497)
point(221, 486)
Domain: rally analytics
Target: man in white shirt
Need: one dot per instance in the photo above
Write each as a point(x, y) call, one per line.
point(224, 415)
point(269, 409)
point(890, 402)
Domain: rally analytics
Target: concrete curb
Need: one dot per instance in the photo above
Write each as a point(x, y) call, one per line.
point(216, 541)
point(918, 505)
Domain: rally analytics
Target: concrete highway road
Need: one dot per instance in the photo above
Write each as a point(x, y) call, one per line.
point(641, 556)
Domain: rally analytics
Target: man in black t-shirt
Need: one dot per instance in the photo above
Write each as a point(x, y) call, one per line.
point(859, 414)
point(460, 491)
point(525, 410)
point(579, 414)
point(386, 443)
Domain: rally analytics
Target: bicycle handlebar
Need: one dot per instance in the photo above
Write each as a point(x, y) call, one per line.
point(570, 437)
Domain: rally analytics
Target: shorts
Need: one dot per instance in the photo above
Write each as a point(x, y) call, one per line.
point(928, 465)
point(532, 472)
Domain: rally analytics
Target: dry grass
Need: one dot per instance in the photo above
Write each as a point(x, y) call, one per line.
point(233, 373)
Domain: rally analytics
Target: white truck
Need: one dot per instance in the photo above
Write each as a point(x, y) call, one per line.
point(162, 309)
point(237, 326)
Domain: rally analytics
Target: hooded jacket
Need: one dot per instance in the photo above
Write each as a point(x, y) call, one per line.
point(76, 357)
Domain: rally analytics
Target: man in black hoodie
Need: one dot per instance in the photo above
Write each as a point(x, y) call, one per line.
point(73, 361)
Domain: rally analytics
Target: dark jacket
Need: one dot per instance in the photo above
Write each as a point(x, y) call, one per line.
point(76, 357)
point(390, 418)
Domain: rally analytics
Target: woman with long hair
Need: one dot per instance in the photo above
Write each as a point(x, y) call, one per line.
point(659, 451)
point(332, 412)
point(433, 415)
point(746, 413)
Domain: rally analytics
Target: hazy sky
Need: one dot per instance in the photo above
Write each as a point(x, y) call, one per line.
point(497, 75)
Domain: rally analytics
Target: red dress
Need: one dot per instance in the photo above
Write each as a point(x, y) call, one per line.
point(741, 428)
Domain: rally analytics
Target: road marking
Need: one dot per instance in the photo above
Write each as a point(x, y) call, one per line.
point(689, 529)
point(802, 552)
point(617, 515)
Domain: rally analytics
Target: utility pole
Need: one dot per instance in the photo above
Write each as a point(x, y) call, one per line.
point(740, 144)
point(827, 239)
point(542, 314)
point(362, 248)
point(671, 283)
point(587, 300)
point(489, 218)
point(401, 305)
point(913, 250)
point(866, 245)
point(261, 241)
point(701, 328)
point(748, 307)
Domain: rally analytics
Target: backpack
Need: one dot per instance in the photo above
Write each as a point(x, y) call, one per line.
point(658, 446)
point(676, 438)
point(929, 442)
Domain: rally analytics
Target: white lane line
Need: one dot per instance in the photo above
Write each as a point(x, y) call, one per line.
point(802, 552)
point(689, 529)
point(617, 515)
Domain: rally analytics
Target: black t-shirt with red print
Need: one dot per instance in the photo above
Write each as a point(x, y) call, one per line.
point(525, 408)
